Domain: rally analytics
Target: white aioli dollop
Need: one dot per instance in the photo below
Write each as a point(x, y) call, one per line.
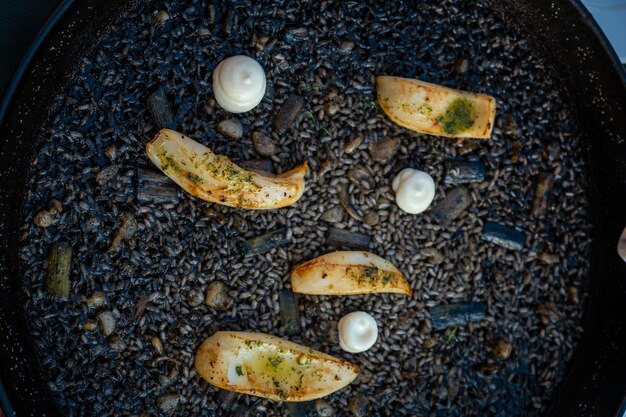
point(358, 332)
point(414, 189)
point(238, 83)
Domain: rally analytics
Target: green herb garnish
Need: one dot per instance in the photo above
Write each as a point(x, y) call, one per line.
point(194, 178)
point(414, 108)
point(368, 103)
point(205, 157)
point(459, 116)
point(314, 119)
point(311, 87)
point(299, 386)
point(452, 332)
point(371, 275)
point(168, 163)
point(274, 361)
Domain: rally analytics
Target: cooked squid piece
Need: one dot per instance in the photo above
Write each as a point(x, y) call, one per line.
point(436, 110)
point(270, 367)
point(346, 273)
point(217, 179)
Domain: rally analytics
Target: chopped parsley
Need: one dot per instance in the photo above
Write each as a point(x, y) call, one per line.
point(311, 87)
point(168, 163)
point(238, 370)
point(279, 391)
point(274, 361)
point(205, 157)
point(252, 343)
point(239, 182)
point(453, 332)
point(459, 116)
point(194, 178)
point(368, 103)
point(222, 168)
point(299, 386)
point(313, 119)
point(371, 275)
point(412, 108)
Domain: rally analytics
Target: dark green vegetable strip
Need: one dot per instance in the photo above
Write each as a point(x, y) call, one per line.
point(59, 265)
point(449, 315)
point(161, 110)
point(264, 243)
point(289, 312)
point(340, 237)
point(545, 181)
point(262, 166)
point(230, 403)
point(226, 399)
point(302, 409)
point(451, 207)
point(504, 236)
point(154, 187)
point(464, 172)
point(288, 113)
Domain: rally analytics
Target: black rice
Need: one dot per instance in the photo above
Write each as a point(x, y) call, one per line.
point(327, 53)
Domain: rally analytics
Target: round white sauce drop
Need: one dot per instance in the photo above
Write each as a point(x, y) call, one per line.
point(238, 83)
point(358, 332)
point(414, 189)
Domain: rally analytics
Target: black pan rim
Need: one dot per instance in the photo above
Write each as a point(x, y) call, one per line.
point(591, 23)
point(66, 5)
point(29, 56)
point(5, 103)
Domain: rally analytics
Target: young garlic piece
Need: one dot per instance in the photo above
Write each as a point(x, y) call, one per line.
point(358, 332)
point(238, 84)
point(414, 189)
